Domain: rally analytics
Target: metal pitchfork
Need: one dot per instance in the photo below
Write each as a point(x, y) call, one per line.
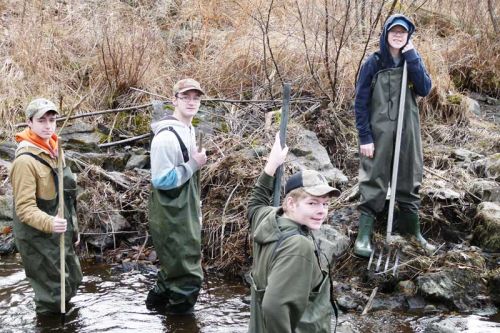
point(394, 253)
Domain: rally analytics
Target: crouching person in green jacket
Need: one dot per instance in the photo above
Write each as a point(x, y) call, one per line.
point(37, 229)
point(290, 290)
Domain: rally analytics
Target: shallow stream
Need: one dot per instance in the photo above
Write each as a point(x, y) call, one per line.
point(110, 301)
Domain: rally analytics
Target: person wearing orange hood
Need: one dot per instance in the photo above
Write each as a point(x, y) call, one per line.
point(37, 229)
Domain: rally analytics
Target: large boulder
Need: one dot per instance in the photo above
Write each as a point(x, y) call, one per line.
point(109, 162)
point(487, 231)
point(486, 190)
point(458, 288)
point(308, 153)
point(82, 137)
point(332, 243)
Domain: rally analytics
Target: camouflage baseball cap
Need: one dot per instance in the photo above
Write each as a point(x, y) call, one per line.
point(38, 107)
point(312, 182)
point(185, 85)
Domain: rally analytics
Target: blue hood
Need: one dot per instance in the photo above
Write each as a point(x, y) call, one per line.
point(384, 47)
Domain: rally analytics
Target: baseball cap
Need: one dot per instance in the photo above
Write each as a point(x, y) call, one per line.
point(400, 22)
point(185, 85)
point(312, 182)
point(38, 107)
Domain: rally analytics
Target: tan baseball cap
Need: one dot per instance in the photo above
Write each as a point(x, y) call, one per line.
point(185, 85)
point(312, 182)
point(38, 107)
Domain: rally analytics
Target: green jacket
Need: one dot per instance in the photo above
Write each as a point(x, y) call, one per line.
point(290, 291)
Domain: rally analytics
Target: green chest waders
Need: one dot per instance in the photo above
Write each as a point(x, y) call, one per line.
point(176, 230)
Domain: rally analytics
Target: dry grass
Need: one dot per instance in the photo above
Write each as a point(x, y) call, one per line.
point(236, 49)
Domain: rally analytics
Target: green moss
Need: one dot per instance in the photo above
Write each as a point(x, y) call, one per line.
point(455, 99)
point(224, 127)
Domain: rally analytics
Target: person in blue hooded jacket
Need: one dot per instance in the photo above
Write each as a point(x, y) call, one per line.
point(378, 89)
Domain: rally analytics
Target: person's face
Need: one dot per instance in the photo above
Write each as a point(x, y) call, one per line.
point(310, 211)
point(397, 37)
point(44, 126)
point(187, 103)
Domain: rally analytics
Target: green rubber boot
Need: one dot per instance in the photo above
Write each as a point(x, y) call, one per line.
point(409, 224)
point(363, 245)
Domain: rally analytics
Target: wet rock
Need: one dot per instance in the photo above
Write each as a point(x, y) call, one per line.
point(139, 159)
point(392, 303)
point(82, 137)
point(486, 190)
point(7, 244)
point(487, 231)
point(448, 325)
point(331, 242)
point(310, 154)
point(460, 289)
point(416, 302)
point(347, 302)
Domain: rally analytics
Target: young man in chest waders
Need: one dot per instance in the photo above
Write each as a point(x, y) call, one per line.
point(174, 205)
point(376, 106)
point(290, 290)
point(37, 229)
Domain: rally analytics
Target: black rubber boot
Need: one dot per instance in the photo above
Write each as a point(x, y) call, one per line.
point(409, 224)
point(156, 300)
point(363, 245)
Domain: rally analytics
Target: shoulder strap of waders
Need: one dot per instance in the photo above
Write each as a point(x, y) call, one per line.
point(333, 302)
point(185, 153)
point(44, 162)
point(380, 65)
point(283, 237)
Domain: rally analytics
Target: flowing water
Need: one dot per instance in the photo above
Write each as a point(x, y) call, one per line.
point(110, 301)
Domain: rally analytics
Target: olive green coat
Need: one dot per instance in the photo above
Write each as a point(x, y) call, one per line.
point(40, 249)
point(290, 291)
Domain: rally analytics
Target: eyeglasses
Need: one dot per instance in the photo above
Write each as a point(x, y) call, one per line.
point(196, 99)
point(398, 32)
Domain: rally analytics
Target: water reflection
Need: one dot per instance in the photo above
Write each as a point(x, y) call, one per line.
point(108, 302)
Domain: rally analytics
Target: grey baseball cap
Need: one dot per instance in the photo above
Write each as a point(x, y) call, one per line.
point(38, 107)
point(312, 182)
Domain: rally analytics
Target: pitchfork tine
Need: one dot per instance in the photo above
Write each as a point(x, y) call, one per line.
point(379, 259)
point(371, 259)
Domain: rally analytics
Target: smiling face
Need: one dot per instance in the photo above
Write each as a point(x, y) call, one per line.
point(44, 126)
point(397, 38)
point(186, 105)
point(307, 210)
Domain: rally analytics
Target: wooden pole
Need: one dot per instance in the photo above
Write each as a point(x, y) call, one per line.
point(60, 214)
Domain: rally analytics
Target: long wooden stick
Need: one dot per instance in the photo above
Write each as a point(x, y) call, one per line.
point(60, 214)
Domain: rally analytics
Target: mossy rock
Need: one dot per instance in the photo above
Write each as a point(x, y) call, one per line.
point(487, 232)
